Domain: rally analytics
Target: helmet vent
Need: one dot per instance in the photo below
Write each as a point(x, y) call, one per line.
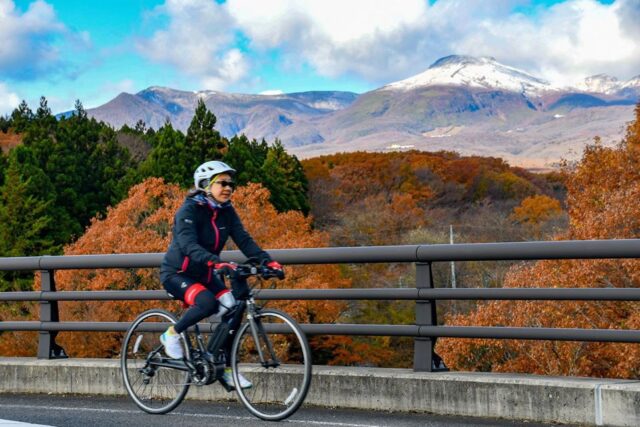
point(209, 169)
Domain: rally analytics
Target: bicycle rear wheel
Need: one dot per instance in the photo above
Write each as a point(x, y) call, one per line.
point(280, 384)
point(154, 388)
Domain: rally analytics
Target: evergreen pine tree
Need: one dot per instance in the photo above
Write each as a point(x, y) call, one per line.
point(40, 131)
point(141, 127)
point(73, 166)
point(5, 123)
point(247, 157)
point(3, 167)
point(26, 208)
point(26, 217)
point(111, 163)
point(21, 117)
point(285, 179)
point(168, 158)
point(43, 112)
point(79, 110)
point(203, 142)
point(86, 165)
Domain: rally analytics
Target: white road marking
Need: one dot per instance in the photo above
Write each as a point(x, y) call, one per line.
point(10, 423)
point(181, 414)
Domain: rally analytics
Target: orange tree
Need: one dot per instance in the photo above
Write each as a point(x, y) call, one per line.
point(393, 198)
point(602, 190)
point(142, 223)
point(536, 212)
point(292, 229)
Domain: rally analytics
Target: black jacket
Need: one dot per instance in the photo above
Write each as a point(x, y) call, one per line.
point(199, 234)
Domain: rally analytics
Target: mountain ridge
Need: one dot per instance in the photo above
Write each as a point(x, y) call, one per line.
point(482, 72)
point(460, 103)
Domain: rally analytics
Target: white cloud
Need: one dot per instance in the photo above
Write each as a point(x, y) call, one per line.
point(8, 100)
point(382, 41)
point(271, 22)
point(199, 41)
point(27, 49)
point(565, 43)
point(366, 37)
point(231, 67)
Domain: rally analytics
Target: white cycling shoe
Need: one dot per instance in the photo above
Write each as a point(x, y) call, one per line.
point(228, 378)
point(172, 345)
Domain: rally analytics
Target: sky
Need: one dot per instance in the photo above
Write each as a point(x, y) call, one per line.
point(94, 50)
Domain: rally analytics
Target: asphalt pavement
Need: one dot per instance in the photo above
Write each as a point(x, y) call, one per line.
point(83, 411)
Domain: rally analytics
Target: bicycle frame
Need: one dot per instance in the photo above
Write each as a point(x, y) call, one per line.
point(220, 337)
point(257, 330)
point(242, 340)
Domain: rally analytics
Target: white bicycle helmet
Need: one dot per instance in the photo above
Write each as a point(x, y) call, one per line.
point(207, 170)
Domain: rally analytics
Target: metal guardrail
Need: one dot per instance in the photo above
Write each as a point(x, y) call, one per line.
point(425, 331)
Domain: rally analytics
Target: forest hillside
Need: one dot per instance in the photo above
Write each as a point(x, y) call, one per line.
point(78, 186)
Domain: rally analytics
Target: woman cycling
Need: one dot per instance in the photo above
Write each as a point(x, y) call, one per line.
point(201, 228)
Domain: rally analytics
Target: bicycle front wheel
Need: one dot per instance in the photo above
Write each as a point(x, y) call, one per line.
point(272, 353)
point(155, 382)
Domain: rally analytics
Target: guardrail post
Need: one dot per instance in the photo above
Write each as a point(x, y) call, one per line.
point(47, 347)
point(425, 358)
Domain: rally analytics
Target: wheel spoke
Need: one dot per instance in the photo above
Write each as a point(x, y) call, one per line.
point(155, 389)
point(273, 396)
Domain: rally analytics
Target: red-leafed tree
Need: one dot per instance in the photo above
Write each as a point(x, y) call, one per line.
point(142, 223)
point(602, 192)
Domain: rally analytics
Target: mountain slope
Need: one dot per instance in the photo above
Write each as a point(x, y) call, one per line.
point(478, 106)
point(461, 103)
point(254, 115)
point(483, 73)
point(609, 85)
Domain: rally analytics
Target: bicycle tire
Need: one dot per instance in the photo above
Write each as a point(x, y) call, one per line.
point(156, 390)
point(271, 398)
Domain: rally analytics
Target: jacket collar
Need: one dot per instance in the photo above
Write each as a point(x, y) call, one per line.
point(203, 200)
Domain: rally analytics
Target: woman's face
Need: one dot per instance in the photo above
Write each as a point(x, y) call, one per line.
point(220, 188)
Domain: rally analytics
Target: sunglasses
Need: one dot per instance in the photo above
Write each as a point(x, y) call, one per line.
point(223, 184)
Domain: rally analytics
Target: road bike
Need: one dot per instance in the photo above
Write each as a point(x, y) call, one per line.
point(268, 348)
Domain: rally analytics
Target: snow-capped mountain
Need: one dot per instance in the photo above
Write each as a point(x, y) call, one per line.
point(487, 73)
point(600, 83)
point(483, 72)
point(460, 103)
point(631, 88)
point(634, 82)
point(609, 85)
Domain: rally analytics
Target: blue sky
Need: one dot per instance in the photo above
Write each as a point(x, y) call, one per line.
point(93, 50)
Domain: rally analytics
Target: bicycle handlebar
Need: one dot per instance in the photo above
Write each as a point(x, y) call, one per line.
point(243, 271)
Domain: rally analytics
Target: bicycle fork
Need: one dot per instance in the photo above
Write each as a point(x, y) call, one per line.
point(257, 332)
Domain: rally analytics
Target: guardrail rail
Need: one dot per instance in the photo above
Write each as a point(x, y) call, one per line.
point(425, 330)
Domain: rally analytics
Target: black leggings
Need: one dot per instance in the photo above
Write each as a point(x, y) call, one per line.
point(203, 305)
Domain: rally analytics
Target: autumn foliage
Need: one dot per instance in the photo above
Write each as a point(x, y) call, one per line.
point(142, 223)
point(411, 197)
point(377, 198)
point(603, 189)
point(8, 140)
point(534, 211)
